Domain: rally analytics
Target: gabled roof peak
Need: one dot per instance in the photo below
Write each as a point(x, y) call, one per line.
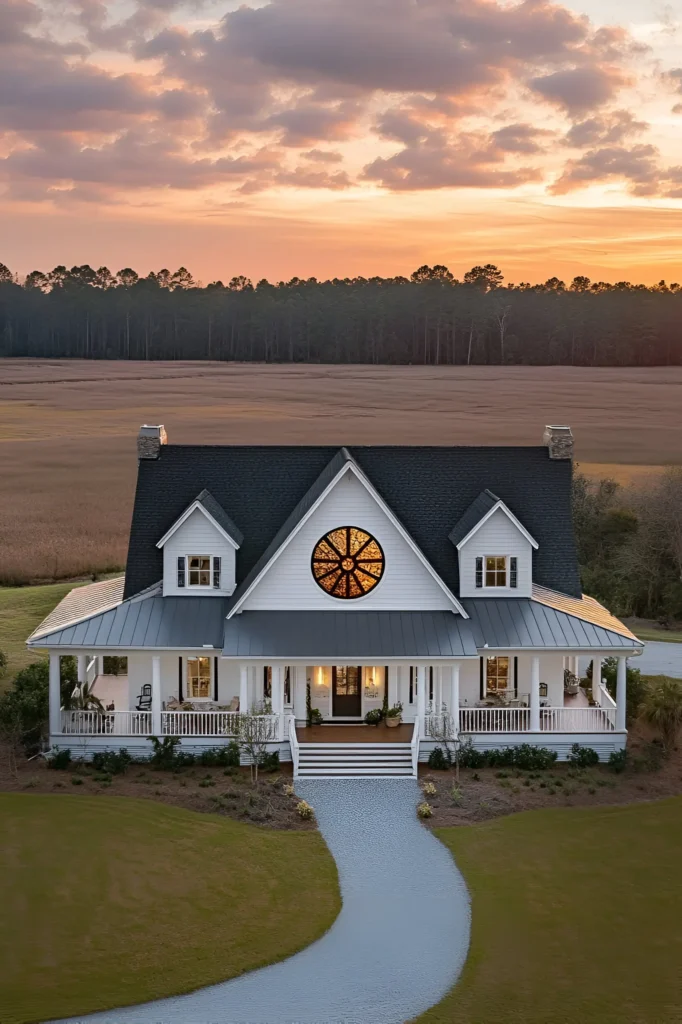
point(211, 508)
point(476, 515)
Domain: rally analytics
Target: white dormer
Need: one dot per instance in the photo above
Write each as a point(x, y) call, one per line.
point(495, 551)
point(199, 551)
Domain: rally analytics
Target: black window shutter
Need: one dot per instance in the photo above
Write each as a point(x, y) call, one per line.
point(411, 700)
point(181, 570)
point(216, 572)
point(180, 679)
point(431, 682)
point(215, 679)
point(513, 574)
point(479, 572)
point(386, 681)
point(481, 678)
point(516, 676)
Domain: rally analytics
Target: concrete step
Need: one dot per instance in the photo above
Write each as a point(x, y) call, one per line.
point(355, 773)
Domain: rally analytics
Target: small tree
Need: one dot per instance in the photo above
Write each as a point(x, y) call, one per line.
point(254, 733)
point(443, 731)
point(662, 708)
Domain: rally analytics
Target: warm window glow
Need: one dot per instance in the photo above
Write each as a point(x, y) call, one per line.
point(199, 567)
point(496, 571)
point(348, 562)
point(497, 674)
point(198, 678)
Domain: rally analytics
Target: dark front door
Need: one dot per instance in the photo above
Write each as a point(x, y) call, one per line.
point(346, 699)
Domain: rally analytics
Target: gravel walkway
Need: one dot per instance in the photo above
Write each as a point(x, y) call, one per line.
point(397, 946)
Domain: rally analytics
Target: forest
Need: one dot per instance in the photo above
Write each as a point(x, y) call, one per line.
point(429, 318)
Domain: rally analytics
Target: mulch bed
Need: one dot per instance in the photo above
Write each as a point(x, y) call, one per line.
point(227, 791)
point(486, 793)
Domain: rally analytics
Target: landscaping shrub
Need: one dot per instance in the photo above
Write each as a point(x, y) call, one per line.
point(112, 762)
point(269, 762)
point(440, 759)
point(429, 789)
point(24, 714)
point(221, 757)
point(618, 760)
point(59, 759)
point(165, 752)
point(424, 810)
point(662, 708)
point(470, 757)
point(583, 757)
point(374, 716)
point(651, 759)
point(304, 810)
point(525, 756)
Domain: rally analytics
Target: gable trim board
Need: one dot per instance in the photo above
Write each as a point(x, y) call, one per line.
point(297, 521)
point(499, 505)
point(197, 506)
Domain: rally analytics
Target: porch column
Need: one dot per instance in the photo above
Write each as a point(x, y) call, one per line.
point(621, 692)
point(100, 664)
point(156, 695)
point(55, 699)
point(243, 689)
point(596, 680)
point(535, 694)
point(81, 668)
point(278, 697)
point(392, 685)
point(421, 698)
point(300, 713)
point(454, 698)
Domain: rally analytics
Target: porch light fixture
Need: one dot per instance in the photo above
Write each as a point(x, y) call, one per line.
point(347, 563)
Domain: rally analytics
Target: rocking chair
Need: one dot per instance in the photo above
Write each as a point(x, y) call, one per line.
point(144, 700)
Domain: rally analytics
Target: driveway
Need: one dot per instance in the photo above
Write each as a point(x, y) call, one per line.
point(659, 659)
point(395, 949)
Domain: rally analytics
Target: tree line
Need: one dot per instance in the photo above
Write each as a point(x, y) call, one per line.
point(429, 318)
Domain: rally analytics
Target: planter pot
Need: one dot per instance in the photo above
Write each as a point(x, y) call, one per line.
point(393, 722)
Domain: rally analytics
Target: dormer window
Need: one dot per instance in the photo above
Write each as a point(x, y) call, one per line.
point(496, 571)
point(199, 571)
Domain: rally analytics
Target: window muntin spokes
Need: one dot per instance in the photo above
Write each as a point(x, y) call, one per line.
point(348, 562)
point(496, 571)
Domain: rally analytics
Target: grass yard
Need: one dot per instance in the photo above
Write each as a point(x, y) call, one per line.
point(117, 901)
point(21, 610)
point(576, 917)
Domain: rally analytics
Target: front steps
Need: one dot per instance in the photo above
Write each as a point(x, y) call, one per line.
point(354, 760)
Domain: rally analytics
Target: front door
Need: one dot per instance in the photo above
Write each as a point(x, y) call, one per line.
point(346, 694)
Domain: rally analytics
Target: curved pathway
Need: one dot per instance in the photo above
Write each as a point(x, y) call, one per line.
point(395, 949)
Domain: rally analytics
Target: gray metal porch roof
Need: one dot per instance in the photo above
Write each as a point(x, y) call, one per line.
point(521, 622)
point(348, 634)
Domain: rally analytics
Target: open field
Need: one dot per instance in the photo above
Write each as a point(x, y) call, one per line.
point(575, 917)
point(67, 430)
point(117, 901)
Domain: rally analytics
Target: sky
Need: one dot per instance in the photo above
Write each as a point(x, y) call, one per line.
point(334, 138)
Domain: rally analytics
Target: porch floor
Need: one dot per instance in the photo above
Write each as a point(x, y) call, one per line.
point(355, 734)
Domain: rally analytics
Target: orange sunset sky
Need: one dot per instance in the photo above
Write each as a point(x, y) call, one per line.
point(341, 137)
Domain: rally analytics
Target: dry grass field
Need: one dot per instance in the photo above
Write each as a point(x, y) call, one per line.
point(67, 430)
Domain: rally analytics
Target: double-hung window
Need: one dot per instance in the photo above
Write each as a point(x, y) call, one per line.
point(198, 678)
point(497, 571)
point(199, 571)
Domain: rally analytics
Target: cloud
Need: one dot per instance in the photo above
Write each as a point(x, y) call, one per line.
point(604, 129)
point(580, 89)
point(638, 166)
point(518, 138)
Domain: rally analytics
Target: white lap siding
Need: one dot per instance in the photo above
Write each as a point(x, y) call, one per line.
point(406, 582)
point(498, 536)
point(198, 536)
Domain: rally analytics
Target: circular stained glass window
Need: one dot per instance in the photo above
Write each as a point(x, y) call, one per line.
point(348, 562)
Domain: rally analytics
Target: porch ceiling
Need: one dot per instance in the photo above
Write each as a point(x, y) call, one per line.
point(357, 634)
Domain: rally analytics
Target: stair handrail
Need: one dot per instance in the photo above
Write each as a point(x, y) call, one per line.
point(294, 744)
point(414, 747)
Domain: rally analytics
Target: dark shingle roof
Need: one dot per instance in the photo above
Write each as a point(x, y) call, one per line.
point(217, 512)
point(479, 507)
point(428, 488)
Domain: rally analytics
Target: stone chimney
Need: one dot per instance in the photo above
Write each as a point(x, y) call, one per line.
point(559, 440)
point(149, 441)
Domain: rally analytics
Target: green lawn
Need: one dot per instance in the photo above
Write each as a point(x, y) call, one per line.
point(664, 636)
point(21, 610)
point(576, 918)
point(112, 901)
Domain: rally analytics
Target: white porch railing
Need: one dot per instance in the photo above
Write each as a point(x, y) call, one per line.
point(494, 719)
point(294, 744)
point(414, 748)
point(216, 723)
point(605, 698)
point(107, 723)
point(569, 719)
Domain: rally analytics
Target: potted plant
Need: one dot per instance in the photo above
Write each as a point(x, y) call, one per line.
point(374, 716)
point(316, 716)
point(394, 715)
